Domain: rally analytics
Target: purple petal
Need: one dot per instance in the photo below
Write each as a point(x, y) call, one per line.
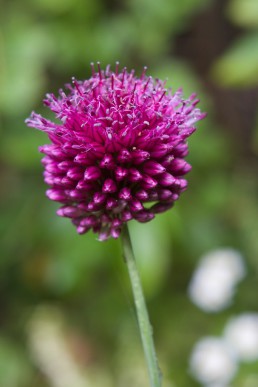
point(148, 182)
point(109, 186)
point(135, 205)
point(65, 165)
point(124, 156)
point(121, 173)
point(139, 156)
point(68, 183)
point(92, 173)
point(125, 194)
point(82, 230)
point(144, 216)
point(89, 221)
point(56, 195)
point(107, 162)
point(126, 216)
point(52, 168)
point(134, 175)
point(181, 150)
point(75, 173)
point(85, 185)
point(142, 195)
point(183, 184)
point(179, 166)
point(158, 151)
point(49, 179)
point(69, 211)
point(111, 203)
point(166, 179)
point(99, 198)
point(161, 207)
point(82, 159)
point(115, 232)
point(165, 194)
point(75, 194)
point(153, 168)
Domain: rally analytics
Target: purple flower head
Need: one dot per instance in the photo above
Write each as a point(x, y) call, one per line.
point(118, 152)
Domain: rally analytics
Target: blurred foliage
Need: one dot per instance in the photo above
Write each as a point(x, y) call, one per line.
point(244, 13)
point(43, 43)
point(239, 65)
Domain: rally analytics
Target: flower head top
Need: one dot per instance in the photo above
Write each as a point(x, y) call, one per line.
point(118, 152)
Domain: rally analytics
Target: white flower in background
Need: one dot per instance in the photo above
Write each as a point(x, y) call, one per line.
point(48, 345)
point(242, 335)
point(213, 283)
point(213, 363)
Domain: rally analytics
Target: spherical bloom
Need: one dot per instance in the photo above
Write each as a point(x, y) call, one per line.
point(118, 153)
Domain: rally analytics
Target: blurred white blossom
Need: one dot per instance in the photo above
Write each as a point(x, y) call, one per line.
point(213, 363)
point(213, 283)
point(49, 348)
point(241, 333)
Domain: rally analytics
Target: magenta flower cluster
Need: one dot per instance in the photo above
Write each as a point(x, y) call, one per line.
point(118, 152)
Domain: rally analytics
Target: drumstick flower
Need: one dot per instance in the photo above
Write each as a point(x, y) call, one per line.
point(120, 145)
point(118, 153)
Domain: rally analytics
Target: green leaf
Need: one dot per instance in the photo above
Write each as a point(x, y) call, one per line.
point(239, 65)
point(243, 12)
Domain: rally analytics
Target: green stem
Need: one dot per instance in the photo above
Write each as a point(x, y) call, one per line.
point(141, 309)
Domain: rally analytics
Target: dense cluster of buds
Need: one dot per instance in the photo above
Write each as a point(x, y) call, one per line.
point(118, 152)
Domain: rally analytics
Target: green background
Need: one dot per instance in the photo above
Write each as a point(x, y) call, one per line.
point(76, 288)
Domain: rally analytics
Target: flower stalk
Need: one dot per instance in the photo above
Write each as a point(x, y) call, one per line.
point(141, 310)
